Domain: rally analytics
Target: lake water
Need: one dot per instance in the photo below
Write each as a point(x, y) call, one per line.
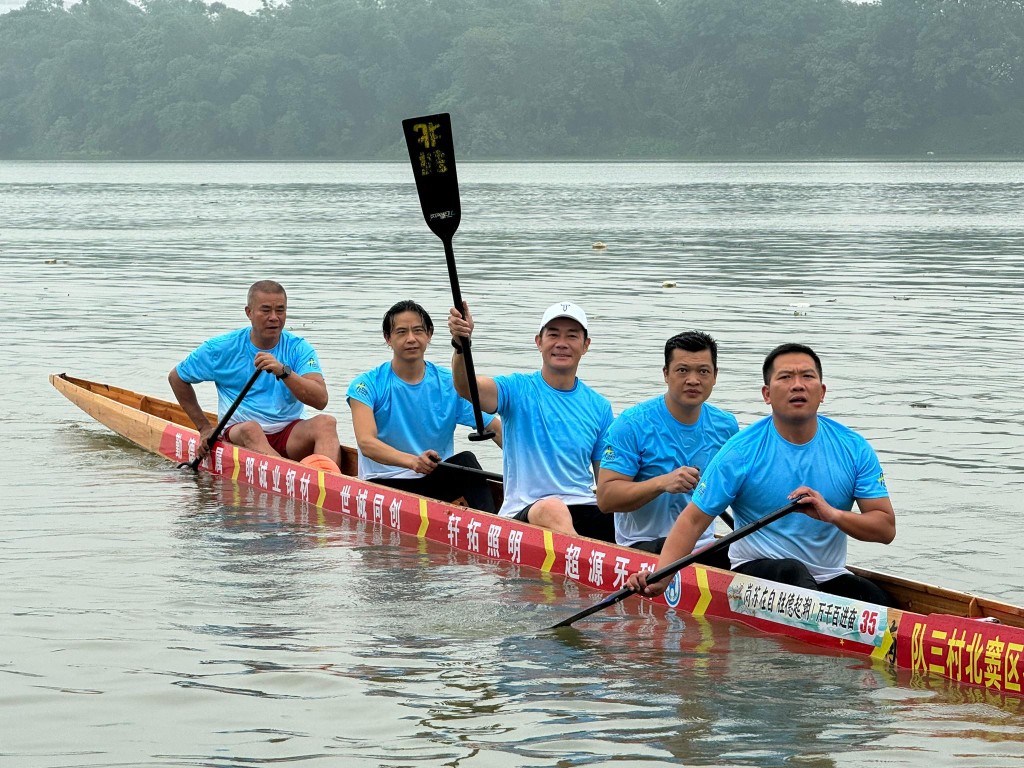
point(150, 618)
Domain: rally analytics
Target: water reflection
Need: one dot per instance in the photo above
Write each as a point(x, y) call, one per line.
point(220, 627)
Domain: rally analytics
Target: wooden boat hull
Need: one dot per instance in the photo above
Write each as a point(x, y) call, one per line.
point(937, 632)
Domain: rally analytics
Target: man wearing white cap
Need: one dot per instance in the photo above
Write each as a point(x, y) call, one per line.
point(554, 426)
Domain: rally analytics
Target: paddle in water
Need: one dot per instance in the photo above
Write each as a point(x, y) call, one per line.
point(678, 565)
point(194, 464)
point(432, 153)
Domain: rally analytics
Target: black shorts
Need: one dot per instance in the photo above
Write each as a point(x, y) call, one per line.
point(587, 519)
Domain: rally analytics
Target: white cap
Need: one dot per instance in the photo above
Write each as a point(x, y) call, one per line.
point(564, 309)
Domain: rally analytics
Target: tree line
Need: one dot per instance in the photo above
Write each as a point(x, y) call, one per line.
point(530, 79)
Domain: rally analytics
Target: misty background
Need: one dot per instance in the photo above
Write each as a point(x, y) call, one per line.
point(527, 79)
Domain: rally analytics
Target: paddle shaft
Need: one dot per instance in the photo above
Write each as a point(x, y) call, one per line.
point(194, 465)
point(678, 565)
point(471, 470)
point(467, 353)
point(432, 153)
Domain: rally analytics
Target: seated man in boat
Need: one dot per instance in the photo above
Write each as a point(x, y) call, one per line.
point(269, 418)
point(404, 414)
point(790, 453)
point(652, 458)
point(555, 426)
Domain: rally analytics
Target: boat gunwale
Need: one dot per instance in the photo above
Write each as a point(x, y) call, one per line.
point(129, 405)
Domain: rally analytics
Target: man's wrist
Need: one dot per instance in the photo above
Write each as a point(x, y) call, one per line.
point(456, 346)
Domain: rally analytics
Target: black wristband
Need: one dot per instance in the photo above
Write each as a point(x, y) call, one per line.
point(457, 346)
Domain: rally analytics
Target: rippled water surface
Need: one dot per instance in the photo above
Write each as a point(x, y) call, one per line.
point(151, 618)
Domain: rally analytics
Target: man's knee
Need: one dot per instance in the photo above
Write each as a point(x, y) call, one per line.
point(551, 513)
point(783, 571)
point(464, 459)
point(246, 433)
point(793, 572)
point(324, 424)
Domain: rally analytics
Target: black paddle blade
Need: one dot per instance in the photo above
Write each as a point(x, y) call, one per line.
point(432, 152)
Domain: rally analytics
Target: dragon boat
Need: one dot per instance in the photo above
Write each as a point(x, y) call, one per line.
point(935, 633)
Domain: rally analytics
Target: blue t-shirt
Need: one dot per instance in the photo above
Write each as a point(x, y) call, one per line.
point(647, 441)
point(551, 440)
point(757, 469)
point(411, 417)
point(227, 361)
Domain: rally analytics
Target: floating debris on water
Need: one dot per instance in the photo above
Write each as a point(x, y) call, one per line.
point(668, 284)
point(901, 298)
point(920, 405)
point(599, 246)
point(800, 308)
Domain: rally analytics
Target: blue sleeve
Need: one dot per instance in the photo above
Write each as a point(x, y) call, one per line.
point(621, 451)
point(304, 358)
point(467, 418)
point(361, 390)
point(734, 425)
point(606, 422)
point(508, 392)
point(199, 365)
point(870, 481)
point(720, 483)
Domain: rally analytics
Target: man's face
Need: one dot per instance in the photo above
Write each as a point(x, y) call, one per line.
point(562, 344)
point(409, 336)
point(267, 315)
point(690, 377)
point(794, 389)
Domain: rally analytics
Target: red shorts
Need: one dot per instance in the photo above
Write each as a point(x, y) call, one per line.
point(278, 440)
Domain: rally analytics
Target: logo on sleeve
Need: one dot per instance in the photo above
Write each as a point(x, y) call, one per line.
point(881, 480)
point(609, 453)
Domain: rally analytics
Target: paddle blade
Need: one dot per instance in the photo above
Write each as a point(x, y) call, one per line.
point(432, 152)
point(612, 599)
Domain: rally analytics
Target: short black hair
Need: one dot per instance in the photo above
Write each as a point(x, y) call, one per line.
point(264, 286)
point(692, 341)
point(406, 305)
point(788, 349)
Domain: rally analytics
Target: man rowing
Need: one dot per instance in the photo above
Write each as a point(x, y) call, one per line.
point(269, 418)
point(554, 424)
point(793, 452)
point(404, 413)
point(655, 450)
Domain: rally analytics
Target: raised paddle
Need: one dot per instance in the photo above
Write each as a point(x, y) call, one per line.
point(432, 153)
point(194, 464)
point(678, 565)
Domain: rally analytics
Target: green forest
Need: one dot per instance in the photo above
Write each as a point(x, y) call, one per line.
point(523, 79)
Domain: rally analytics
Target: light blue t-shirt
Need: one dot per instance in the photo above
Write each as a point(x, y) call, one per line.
point(647, 441)
point(551, 440)
point(411, 417)
point(757, 469)
point(227, 361)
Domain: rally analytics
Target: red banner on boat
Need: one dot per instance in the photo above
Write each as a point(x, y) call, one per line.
point(967, 651)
